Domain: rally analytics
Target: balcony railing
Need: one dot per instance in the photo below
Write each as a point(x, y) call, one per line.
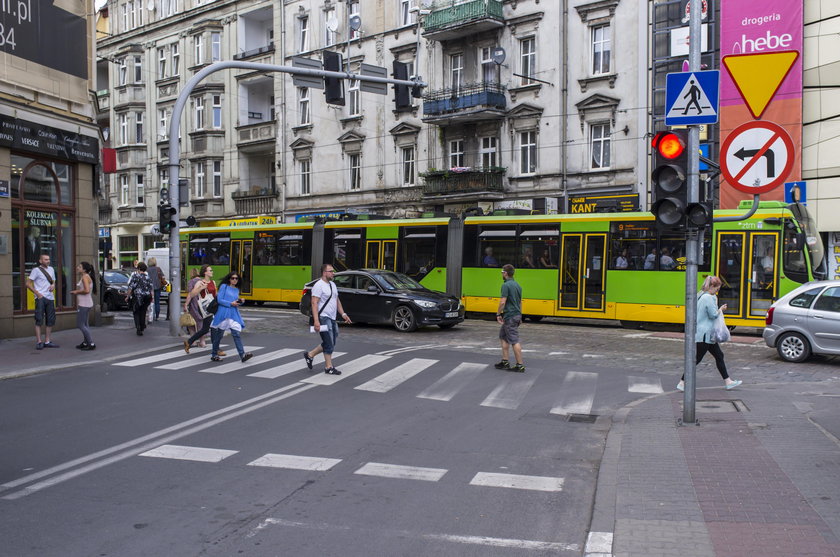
point(257, 200)
point(472, 181)
point(452, 101)
point(254, 52)
point(450, 19)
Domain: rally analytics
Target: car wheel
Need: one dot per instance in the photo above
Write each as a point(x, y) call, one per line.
point(404, 319)
point(446, 325)
point(793, 347)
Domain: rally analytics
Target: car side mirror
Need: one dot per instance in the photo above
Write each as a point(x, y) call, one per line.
point(373, 288)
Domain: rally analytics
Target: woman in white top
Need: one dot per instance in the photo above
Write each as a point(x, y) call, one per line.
point(84, 299)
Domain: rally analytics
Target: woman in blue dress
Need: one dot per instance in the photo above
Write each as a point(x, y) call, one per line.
point(227, 317)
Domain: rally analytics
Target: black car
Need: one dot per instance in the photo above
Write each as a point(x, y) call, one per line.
point(114, 287)
point(377, 296)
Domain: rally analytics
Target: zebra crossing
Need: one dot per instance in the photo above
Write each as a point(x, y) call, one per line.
point(575, 394)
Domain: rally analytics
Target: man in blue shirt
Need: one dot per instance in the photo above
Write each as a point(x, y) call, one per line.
point(510, 317)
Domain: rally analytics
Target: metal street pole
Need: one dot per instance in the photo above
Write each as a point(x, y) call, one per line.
point(692, 243)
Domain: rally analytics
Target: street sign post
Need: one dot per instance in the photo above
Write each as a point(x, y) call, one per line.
point(756, 157)
point(692, 98)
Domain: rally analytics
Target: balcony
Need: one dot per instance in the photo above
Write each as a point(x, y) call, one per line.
point(256, 137)
point(477, 101)
point(257, 200)
point(450, 20)
point(486, 182)
point(255, 52)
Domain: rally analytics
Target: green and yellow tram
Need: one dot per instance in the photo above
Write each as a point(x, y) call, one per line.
point(598, 265)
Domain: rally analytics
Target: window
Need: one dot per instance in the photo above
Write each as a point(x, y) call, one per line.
point(176, 58)
point(456, 71)
point(488, 152)
point(198, 41)
point(167, 8)
point(407, 17)
point(198, 178)
point(304, 171)
point(198, 112)
point(456, 153)
point(637, 246)
point(805, 299)
point(497, 244)
point(303, 34)
point(132, 15)
point(217, 178)
point(355, 97)
point(355, 172)
point(123, 119)
point(138, 69)
point(163, 123)
point(139, 136)
point(489, 69)
point(528, 152)
point(601, 49)
point(122, 72)
point(354, 10)
point(217, 111)
point(528, 59)
point(123, 189)
point(329, 34)
point(161, 63)
point(139, 190)
point(303, 105)
point(599, 143)
point(408, 166)
point(285, 247)
point(209, 249)
point(215, 47)
point(125, 26)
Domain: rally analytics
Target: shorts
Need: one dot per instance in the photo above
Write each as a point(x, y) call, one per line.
point(510, 329)
point(44, 308)
point(329, 336)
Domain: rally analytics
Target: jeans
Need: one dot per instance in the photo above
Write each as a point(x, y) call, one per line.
point(717, 354)
point(216, 337)
point(330, 336)
point(82, 323)
point(157, 303)
point(205, 328)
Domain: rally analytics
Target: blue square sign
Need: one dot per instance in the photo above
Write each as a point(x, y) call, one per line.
point(692, 98)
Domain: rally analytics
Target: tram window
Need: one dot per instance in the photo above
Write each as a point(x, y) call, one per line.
point(347, 249)
point(265, 249)
point(417, 256)
point(281, 248)
point(497, 245)
point(209, 249)
point(793, 257)
point(538, 247)
point(829, 300)
point(671, 253)
point(634, 244)
point(470, 253)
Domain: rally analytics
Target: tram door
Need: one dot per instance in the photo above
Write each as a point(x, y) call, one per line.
point(748, 267)
point(241, 262)
point(582, 272)
point(381, 254)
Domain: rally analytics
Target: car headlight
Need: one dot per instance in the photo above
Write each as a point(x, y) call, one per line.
point(425, 303)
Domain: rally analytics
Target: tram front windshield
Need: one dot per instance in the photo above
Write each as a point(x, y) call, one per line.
point(813, 241)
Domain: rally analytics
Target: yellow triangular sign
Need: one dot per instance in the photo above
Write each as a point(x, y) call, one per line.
point(759, 75)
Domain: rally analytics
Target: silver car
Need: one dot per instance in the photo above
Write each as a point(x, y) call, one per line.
point(805, 321)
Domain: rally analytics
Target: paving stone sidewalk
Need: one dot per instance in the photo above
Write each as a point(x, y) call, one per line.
point(762, 481)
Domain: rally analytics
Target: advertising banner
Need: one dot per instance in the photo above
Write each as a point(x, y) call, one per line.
point(761, 80)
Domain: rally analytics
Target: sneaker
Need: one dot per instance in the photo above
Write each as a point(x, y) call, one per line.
point(89, 347)
point(504, 364)
point(81, 346)
point(681, 387)
point(519, 368)
point(215, 358)
point(54, 345)
point(39, 346)
point(733, 384)
point(332, 371)
point(247, 357)
point(308, 360)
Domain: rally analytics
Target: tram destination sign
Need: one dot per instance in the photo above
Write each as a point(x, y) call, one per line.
point(45, 140)
point(604, 203)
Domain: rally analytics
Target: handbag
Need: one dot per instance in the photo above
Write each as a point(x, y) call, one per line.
point(208, 305)
point(721, 332)
point(186, 320)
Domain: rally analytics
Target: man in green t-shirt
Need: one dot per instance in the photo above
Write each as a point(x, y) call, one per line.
point(510, 316)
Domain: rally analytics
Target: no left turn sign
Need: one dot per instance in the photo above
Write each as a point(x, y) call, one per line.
point(756, 157)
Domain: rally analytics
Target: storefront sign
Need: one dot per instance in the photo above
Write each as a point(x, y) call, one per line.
point(335, 215)
point(4, 188)
point(45, 140)
point(604, 203)
point(40, 218)
point(104, 232)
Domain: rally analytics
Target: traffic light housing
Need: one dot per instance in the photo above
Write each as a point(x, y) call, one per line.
point(167, 218)
point(402, 93)
point(669, 179)
point(333, 86)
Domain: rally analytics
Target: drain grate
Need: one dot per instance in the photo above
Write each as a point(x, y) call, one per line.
point(721, 406)
point(583, 418)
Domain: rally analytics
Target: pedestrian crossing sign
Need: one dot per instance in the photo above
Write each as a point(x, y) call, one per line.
point(692, 98)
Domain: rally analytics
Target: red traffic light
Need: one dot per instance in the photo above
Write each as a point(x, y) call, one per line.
point(668, 144)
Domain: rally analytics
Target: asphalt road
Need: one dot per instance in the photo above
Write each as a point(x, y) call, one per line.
point(419, 448)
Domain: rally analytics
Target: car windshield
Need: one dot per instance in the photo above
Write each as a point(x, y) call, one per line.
point(116, 277)
point(397, 281)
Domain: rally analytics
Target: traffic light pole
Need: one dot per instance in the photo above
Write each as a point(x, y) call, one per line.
point(175, 156)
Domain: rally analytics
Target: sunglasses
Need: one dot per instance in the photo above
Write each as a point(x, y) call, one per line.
point(234, 278)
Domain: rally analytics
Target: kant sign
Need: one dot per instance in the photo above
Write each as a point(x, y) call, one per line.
point(39, 31)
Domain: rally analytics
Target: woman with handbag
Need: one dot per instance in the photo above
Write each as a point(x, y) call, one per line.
point(201, 295)
point(707, 314)
point(139, 296)
point(227, 318)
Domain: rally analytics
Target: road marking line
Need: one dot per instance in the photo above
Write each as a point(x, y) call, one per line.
point(396, 351)
point(651, 385)
point(557, 353)
point(347, 369)
point(599, 543)
point(182, 452)
point(237, 364)
point(295, 462)
point(503, 542)
point(448, 386)
point(157, 357)
point(147, 442)
point(401, 472)
point(511, 391)
point(291, 367)
point(578, 393)
point(189, 361)
point(515, 481)
point(396, 376)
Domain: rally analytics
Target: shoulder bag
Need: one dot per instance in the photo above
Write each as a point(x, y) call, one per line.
point(320, 309)
point(207, 305)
